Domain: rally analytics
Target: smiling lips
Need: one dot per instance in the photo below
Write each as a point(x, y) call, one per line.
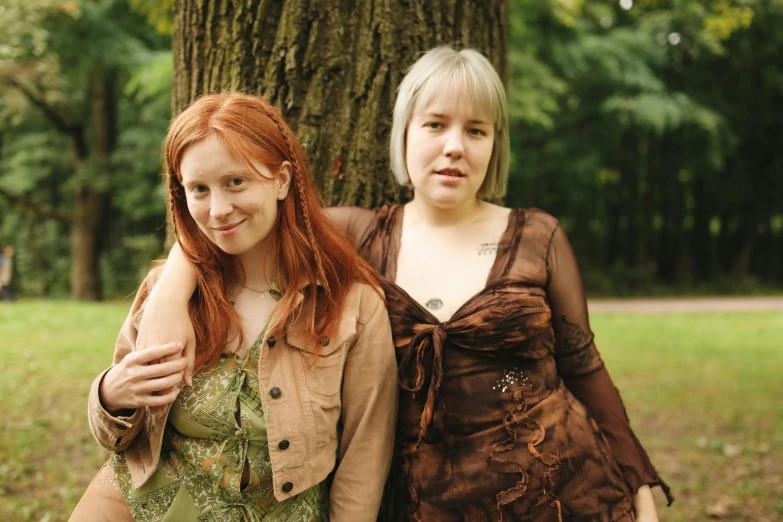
point(227, 230)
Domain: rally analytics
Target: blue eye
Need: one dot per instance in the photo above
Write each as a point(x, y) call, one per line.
point(434, 125)
point(477, 132)
point(200, 189)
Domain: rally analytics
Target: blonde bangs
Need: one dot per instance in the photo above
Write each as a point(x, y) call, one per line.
point(465, 74)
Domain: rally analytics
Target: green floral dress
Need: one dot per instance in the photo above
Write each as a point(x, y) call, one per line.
point(204, 450)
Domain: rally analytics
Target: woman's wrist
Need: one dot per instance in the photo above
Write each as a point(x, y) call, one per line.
point(105, 398)
point(645, 505)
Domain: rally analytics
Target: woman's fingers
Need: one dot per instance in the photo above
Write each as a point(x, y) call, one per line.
point(161, 400)
point(153, 353)
point(190, 357)
point(161, 384)
point(163, 369)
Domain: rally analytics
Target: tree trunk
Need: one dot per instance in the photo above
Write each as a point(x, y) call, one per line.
point(90, 202)
point(85, 276)
point(332, 67)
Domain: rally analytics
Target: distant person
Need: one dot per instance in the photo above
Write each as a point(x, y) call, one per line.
point(6, 273)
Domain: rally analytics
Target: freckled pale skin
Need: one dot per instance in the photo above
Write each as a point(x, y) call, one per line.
point(222, 192)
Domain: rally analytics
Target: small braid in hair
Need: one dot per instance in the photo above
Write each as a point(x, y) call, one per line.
point(299, 181)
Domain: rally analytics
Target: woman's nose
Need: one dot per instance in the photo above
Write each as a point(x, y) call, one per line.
point(454, 146)
point(220, 206)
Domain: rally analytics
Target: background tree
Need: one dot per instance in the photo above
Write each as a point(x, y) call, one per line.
point(67, 71)
point(652, 138)
point(650, 128)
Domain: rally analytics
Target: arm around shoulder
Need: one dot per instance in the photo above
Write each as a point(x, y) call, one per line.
point(369, 414)
point(137, 379)
point(116, 432)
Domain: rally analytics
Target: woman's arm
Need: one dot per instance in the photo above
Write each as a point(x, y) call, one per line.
point(120, 394)
point(165, 317)
point(355, 222)
point(369, 414)
point(582, 370)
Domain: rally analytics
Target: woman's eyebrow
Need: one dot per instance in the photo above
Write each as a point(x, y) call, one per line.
point(197, 179)
point(433, 114)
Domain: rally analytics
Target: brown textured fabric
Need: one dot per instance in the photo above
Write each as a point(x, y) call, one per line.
point(487, 428)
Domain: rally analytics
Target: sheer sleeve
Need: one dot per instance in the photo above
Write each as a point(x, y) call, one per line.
point(582, 370)
point(355, 222)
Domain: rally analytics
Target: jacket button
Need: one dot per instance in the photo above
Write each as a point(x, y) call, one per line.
point(287, 487)
point(283, 445)
point(325, 341)
point(271, 342)
point(275, 392)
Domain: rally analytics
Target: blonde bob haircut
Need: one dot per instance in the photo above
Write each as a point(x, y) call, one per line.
point(466, 72)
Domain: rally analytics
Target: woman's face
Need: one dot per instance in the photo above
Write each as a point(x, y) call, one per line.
point(448, 147)
point(230, 204)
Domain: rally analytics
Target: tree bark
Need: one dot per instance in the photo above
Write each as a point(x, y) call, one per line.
point(332, 67)
point(90, 201)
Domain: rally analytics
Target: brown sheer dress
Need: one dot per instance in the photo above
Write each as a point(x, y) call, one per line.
point(506, 412)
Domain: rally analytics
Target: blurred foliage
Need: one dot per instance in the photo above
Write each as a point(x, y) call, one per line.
point(653, 137)
point(650, 128)
point(54, 53)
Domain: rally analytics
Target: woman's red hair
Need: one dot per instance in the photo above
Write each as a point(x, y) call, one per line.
point(308, 250)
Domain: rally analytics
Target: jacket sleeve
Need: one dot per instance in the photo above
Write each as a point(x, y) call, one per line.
point(368, 418)
point(582, 369)
point(115, 433)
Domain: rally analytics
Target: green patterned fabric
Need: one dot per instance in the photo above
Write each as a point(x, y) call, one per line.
point(204, 450)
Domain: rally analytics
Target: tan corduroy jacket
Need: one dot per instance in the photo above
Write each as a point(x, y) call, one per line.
point(337, 413)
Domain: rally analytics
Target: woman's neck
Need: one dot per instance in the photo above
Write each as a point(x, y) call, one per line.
point(256, 269)
point(437, 217)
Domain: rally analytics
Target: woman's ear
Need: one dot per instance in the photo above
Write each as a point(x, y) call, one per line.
point(283, 179)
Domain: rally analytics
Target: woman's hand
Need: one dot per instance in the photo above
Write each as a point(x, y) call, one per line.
point(137, 381)
point(645, 505)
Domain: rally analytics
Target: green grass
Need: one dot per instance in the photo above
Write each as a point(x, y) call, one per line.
point(701, 390)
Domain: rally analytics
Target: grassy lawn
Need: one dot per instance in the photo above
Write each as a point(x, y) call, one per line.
point(702, 391)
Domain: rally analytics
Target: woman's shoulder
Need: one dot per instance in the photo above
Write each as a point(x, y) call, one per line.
point(352, 215)
point(356, 222)
point(538, 217)
point(532, 222)
point(363, 299)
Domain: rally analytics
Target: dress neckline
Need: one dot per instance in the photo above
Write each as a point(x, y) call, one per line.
point(505, 254)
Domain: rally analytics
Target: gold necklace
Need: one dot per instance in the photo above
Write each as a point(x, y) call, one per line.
point(261, 292)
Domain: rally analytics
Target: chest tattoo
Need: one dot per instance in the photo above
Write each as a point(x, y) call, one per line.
point(434, 304)
point(487, 249)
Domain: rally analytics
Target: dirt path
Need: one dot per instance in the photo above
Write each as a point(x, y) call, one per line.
point(685, 305)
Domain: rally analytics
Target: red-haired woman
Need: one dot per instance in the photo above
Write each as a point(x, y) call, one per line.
point(294, 375)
